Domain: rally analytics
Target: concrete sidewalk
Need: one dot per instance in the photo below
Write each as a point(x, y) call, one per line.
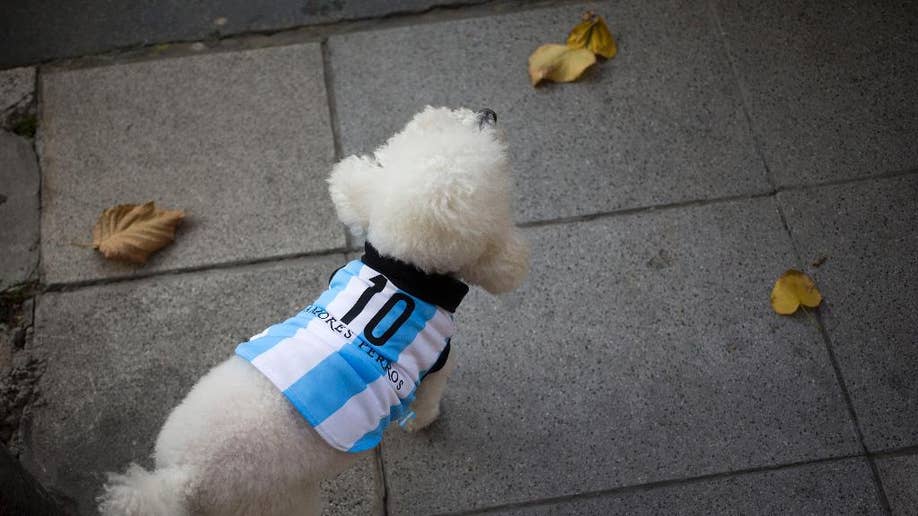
point(640, 370)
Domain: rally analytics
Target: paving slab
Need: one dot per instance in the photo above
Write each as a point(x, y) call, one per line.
point(16, 85)
point(831, 489)
point(830, 85)
point(105, 348)
point(17, 91)
point(869, 233)
point(19, 210)
point(900, 481)
point(34, 31)
point(356, 492)
point(240, 140)
point(661, 123)
point(642, 348)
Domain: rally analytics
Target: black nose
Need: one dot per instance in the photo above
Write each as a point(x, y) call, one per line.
point(486, 117)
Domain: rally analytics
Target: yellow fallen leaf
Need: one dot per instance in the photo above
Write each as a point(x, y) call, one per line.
point(132, 232)
point(558, 63)
point(793, 289)
point(593, 35)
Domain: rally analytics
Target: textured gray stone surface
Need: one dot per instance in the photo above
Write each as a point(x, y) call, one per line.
point(900, 481)
point(15, 85)
point(19, 210)
point(17, 91)
point(38, 30)
point(830, 84)
point(642, 348)
point(119, 357)
point(239, 140)
point(869, 232)
point(356, 492)
point(660, 123)
point(830, 489)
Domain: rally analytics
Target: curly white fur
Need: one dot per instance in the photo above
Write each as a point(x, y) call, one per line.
point(435, 195)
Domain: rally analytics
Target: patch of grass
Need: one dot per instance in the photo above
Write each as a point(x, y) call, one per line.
point(26, 126)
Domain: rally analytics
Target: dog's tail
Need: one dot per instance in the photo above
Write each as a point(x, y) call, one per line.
point(139, 492)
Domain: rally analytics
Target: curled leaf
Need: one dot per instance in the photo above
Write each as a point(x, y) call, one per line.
point(593, 35)
point(132, 232)
point(558, 63)
point(793, 289)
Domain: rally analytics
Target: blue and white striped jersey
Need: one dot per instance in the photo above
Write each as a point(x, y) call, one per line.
point(351, 361)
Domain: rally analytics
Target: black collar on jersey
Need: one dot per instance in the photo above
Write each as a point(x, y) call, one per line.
point(439, 289)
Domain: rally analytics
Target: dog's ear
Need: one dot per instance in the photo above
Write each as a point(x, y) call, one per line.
point(350, 184)
point(503, 266)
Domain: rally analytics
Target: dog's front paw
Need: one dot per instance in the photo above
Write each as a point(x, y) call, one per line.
point(422, 419)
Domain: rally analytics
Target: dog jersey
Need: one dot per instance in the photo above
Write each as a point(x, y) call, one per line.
point(350, 362)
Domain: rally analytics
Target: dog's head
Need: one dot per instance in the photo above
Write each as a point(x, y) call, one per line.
point(436, 195)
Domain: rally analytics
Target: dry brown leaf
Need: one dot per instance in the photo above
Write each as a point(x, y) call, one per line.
point(793, 289)
point(558, 63)
point(593, 34)
point(132, 232)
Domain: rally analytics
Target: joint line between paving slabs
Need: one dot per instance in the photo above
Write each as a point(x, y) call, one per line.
point(892, 174)
point(350, 246)
point(836, 368)
point(649, 486)
point(381, 466)
point(333, 122)
point(76, 285)
point(714, 200)
point(743, 94)
point(37, 147)
point(875, 472)
point(643, 209)
point(305, 33)
point(896, 452)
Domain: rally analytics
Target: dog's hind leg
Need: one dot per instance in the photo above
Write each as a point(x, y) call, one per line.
point(426, 405)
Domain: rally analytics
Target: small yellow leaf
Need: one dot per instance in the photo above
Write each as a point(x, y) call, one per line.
point(793, 289)
point(132, 232)
point(558, 63)
point(593, 34)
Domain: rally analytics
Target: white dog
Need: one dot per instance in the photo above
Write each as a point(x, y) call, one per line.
point(306, 398)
